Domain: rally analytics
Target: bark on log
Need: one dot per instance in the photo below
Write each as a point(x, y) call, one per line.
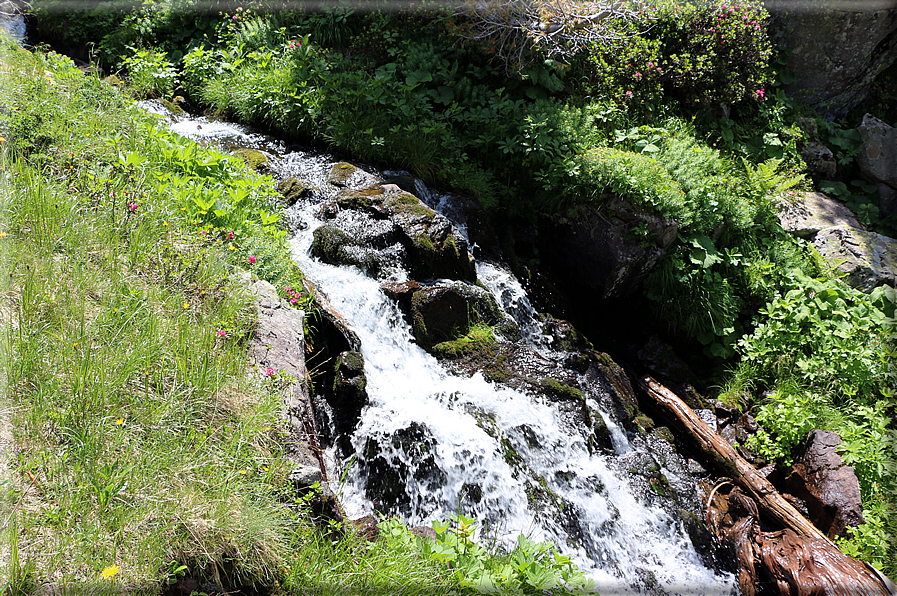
point(800, 557)
point(723, 454)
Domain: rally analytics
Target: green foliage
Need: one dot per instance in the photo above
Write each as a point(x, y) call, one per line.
point(829, 351)
point(530, 568)
point(634, 177)
point(150, 73)
point(706, 54)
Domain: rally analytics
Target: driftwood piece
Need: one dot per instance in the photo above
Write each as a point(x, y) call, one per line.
point(736, 467)
point(801, 559)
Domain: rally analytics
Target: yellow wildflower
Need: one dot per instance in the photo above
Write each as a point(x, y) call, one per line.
point(120, 421)
point(109, 572)
point(186, 305)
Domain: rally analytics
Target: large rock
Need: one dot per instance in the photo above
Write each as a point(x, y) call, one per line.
point(828, 486)
point(382, 227)
point(346, 175)
point(805, 213)
point(279, 344)
point(868, 259)
point(356, 238)
point(348, 395)
point(596, 250)
point(446, 310)
point(837, 48)
point(877, 155)
point(435, 247)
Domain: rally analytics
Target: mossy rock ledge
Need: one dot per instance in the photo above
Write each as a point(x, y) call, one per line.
point(431, 246)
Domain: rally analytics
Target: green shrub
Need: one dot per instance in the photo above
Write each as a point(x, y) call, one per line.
point(150, 73)
point(633, 177)
point(706, 54)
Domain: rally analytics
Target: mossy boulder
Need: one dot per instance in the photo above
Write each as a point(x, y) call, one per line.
point(436, 249)
point(355, 238)
point(255, 159)
point(346, 175)
point(292, 189)
point(447, 311)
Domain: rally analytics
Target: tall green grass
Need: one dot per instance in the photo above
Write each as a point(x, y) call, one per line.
point(145, 447)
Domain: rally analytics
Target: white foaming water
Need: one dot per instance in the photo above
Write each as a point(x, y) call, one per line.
point(468, 424)
point(512, 298)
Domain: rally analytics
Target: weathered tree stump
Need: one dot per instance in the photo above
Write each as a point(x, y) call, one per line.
point(799, 558)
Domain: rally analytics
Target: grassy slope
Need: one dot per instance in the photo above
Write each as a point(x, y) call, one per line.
point(142, 441)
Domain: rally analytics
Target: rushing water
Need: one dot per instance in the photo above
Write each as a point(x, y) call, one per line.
point(450, 435)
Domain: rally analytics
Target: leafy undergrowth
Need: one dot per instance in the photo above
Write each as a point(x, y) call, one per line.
point(825, 357)
point(147, 453)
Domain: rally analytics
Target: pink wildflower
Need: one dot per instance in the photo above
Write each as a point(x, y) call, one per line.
point(230, 235)
point(638, 75)
point(220, 333)
point(628, 93)
point(269, 371)
point(252, 260)
point(132, 206)
point(293, 301)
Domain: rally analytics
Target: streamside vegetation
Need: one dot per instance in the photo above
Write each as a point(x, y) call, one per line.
point(147, 455)
point(676, 108)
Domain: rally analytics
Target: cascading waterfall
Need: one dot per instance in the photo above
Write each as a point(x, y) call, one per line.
point(454, 442)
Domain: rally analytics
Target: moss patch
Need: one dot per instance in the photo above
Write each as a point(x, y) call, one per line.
point(560, 390)
point(479, 340)
point(256, 160)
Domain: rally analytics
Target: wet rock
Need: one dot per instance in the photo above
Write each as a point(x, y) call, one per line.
point(565, 336)
point(346, 175)
point(804, 214)
point(405, 458)
point(709, 418)
point(610, 381)
point(354, 238)
point(868, 259)
point(829, 487)
point(446, 311)
point(838, 47)
point(401, 292)
point(435, 248)
point(594, 251)
point(877, 155)
point(348, 395)
point(292, 189)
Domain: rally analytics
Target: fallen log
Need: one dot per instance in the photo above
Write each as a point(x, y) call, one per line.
point(733, 465)
point(800, 558)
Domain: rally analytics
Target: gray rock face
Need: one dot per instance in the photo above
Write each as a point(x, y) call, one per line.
point(838, 48)
point(877, 157)
point(805, 214)
point(596, 251)
point(820, 160)
point(381, 227)
point(828, 486)
point(868, 259)
point(279, 344)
